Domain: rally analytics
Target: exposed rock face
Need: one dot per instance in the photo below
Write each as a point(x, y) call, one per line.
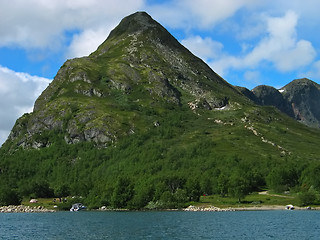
point(96, 98)
point(249, 94)
point(267, 95)
point(298, 99)
point(303, 95)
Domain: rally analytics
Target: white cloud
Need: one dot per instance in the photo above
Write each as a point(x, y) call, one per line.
point(313, 73)
point(252, 77)
point(18, 92)
point(205, 48)
point(300, 55)
point(42, 24)
point(203, 14)
point(86, 42)
point(181, 14)
point(309, 8)
point(3, 136)
point(210, 12)
point(280, 47)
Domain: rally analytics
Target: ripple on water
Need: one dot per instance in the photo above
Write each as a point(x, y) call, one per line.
point(161, 225)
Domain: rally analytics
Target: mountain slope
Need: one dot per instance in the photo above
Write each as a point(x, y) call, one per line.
point(140, 65)
point(142, 121)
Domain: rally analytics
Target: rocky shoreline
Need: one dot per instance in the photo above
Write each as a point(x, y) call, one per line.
point(24, 209)
point(192, 208)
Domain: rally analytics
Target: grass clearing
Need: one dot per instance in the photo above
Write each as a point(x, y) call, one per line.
point(51, 203)
point(251, 200)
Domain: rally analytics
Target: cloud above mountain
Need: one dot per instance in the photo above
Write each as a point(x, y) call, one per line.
point(197, 14)
point(280, 47)
point(18, 92)
point(43, 24)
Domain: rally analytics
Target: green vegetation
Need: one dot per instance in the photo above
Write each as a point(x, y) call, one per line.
point(9, 196)
point(142, 123)
point(169, 165)
point(252, 200)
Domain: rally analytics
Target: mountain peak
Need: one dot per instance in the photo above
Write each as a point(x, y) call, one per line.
point(139, 24)
point(135, 22)
point(301, 83)
point(140, 67)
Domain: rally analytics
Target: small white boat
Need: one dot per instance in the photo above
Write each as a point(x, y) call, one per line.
point(290, 207)
point(77, 207)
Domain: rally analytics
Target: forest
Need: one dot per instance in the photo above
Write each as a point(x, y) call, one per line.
point(144, 171)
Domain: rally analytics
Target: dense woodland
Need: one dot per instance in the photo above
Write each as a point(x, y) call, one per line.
point(144, 171)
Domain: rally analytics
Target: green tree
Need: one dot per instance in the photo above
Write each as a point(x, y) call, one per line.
point(310, 176)
point(307, 197)
point(180, 197)
point(282, 178)
point(9, 196)
point(223, 185)
point(167, 199)
point(62, 191)
point(239, 187)
point(193, 190)
point(122, 193)
point(42, 190)
point(206, 185)
point(174, 182)
point(143, 194)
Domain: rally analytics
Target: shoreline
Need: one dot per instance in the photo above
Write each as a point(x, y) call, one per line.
point(191, 208)
point(24, 209)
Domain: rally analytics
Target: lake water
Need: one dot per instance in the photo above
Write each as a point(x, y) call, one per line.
point(161, 225)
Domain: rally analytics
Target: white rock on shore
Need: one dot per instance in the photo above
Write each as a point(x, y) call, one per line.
point(23, 209)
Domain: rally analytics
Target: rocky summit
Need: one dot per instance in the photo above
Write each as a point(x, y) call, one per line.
point(303, 95)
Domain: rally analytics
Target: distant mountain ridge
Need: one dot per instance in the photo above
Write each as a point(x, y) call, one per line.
point(299, 99)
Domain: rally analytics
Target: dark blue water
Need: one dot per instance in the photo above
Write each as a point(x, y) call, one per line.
point(161, 225)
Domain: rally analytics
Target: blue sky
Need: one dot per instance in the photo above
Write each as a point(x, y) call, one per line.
point(247, 42)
